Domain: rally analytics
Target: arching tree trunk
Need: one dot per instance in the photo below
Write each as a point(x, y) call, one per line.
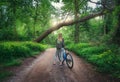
point(67, 23)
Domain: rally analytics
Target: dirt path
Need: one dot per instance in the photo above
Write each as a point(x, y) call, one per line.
point(43, 70)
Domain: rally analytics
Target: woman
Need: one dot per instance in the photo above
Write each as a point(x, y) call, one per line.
point(59, 48)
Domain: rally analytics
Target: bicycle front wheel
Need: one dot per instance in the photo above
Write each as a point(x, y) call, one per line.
point(69, 61)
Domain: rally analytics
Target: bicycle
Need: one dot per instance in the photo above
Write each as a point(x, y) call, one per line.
point(66, 57)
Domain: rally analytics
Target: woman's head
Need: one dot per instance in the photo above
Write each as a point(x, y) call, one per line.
point(60, 35)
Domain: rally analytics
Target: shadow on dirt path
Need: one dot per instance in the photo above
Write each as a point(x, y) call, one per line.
point(43, 70)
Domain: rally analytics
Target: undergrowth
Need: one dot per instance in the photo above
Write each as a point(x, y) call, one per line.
point(12, 53)
point(105, 58)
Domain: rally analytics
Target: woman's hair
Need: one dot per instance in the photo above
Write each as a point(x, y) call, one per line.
point(60, 35)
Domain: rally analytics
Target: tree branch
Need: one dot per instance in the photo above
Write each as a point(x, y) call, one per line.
point(95, 2)
point(67, 23)
point(103, 4)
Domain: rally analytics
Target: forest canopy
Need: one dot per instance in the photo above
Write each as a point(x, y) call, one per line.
point(90, 28)
point(23, 20)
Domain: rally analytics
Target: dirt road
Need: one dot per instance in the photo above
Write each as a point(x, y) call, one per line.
point(43, 70)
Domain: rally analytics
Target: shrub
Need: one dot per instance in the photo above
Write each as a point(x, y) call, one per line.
point(13, 50)
point(105, 58)
point(4, 74)
point(35, 46)
point(14, 62)
point(92, 50)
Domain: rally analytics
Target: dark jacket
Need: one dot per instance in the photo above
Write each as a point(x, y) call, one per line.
point(60, 44)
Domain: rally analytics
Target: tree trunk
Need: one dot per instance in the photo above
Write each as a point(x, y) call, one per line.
point(14, 23)
point(76, 12)
point(35, 19)
point(67, 23)
point(108, 19)
point(116, 37)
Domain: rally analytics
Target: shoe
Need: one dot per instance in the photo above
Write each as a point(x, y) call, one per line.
point(54, 63)
point(60, 64)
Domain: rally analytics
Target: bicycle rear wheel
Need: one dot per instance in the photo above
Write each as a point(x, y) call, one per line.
point(69, 61)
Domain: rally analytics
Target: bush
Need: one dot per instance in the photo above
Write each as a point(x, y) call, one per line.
point(35, 46)
point(4, 74)
point(7, 34)
point(105, 58)
point(78, 46)
point(13, 50)
point(89, 51)
point(14, 62)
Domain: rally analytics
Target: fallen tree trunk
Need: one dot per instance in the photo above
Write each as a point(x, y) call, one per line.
point(67, 23)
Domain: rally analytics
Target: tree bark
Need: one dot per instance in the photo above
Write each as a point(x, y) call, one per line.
point(35, 19)
point(76, 12)
point(107, 22)
point(14, 19)
point(116, 35)
point(67, 23)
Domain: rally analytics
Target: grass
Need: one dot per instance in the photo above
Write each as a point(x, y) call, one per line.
point(15, 62)
point(5, 74)
point(105, 58)
point(14, 50)
point(12, 53)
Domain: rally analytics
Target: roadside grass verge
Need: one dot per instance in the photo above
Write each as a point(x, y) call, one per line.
point(105, 58)
point(12, 53)
point(4, 74)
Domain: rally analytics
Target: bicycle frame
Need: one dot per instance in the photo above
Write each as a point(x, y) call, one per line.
point(65, 56)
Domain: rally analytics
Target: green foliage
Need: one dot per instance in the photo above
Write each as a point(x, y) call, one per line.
point(13, 50)
point(104, 57)
point(23, 18)
point(4, 74)
point(93, 50)
point(14, 62)
point(79, 45)
point(12, 53)
point(35, 46)
point(6, 34)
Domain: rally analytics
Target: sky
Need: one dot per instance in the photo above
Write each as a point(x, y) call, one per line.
point(93, 5)
point(60, 4)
